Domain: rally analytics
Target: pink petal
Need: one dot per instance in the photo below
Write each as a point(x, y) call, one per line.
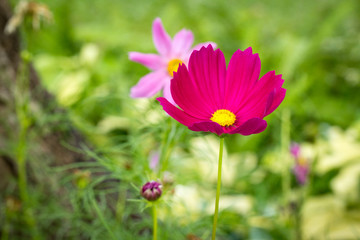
point(149, 85)
point(208, 126)
point(161, 39)
point(152, 61)
point(277, 99)
point(264, 98)
point(154, 160)
point(207, 68)
point(176, 113)
point(187, 95)
point(252, 126)
point(182, 42)
point(167, 92)
point(295, 150)
point(242, 74)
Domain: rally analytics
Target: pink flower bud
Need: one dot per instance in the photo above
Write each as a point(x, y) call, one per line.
point(151, 191)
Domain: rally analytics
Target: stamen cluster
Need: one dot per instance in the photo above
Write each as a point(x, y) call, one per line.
point(173, 66)
point(223, 117)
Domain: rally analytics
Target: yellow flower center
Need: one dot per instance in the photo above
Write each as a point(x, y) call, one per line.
point(223, 117)
point(173, 66)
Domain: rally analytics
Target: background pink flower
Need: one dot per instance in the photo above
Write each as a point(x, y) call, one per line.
point(172, 52)
point(219, 100)
point(302, 167)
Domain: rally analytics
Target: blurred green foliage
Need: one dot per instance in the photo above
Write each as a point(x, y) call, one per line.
point(82, 59)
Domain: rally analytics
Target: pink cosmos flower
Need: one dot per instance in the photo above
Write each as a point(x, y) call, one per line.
point(224, 101)
point(172, 52)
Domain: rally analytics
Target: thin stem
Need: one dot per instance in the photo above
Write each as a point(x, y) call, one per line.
point(20, 156)
point(163, 150)
point(121, 204)
point(285, 142)
point(100, 215)
point(298, 217)
point(167, 146)
point(218, 188)
point(22, 113)
point(154, 222)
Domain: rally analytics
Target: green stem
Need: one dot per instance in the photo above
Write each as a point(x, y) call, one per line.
point(121, 204)
point(167, 146)
point(20, 156)
point(285, 142)
point(218, 188)
point(163, 151)
point(154, 222)
point(22, 182)
point(22, 105)
point(100, 215)
point(298, 217)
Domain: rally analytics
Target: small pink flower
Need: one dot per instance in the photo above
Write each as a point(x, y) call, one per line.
point(154, 159)
point(295, 150)
point(301, 171)
point(224, 101)
point(301, 168)
point(172, 52)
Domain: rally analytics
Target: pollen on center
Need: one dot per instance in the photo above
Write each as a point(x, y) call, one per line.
point(223, 117)
point(173, 66)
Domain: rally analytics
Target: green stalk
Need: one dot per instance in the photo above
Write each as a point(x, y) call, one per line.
point(163, 150)
point(154, 222)
point(285, 142)
point(20, 156)
point(218, 189)
point(22, 112)
point(100, 215)
point(167, 146)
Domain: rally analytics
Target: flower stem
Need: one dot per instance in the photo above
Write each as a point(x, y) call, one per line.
point(22, 100)
point(167, 146)
point(218, 188)
point(154, 222)
point(285, 142)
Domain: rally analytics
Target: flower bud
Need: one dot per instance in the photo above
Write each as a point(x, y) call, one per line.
point(151, 191)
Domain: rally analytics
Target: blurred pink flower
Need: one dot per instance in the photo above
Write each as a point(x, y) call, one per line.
point(301, 168)
point(219, 100)
point(295, 150)
point(172, 52)
point(154, 159)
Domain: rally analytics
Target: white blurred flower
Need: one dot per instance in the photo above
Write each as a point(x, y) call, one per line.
point(343, 148)
point(326, 217)
point(192, 202)
point(89, 53)
point(110, 123)
point(346, 184)
point(71, 87)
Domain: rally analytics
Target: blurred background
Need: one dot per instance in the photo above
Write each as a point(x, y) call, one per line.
point(81, 57)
